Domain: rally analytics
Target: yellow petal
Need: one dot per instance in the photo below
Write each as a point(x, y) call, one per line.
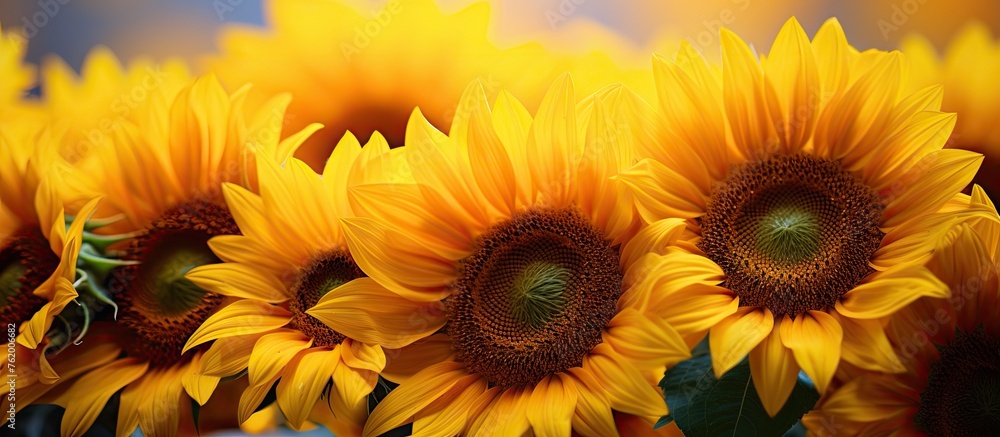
point(551, 405)
point(395, 322)
point(860, 115)
point(593, 412)
point(251, 215)
point(337, 172)
point(654, 238)
point(410, 398)
point(650, 343)
point(242, 317)
point(735, 336)
point(744, 97)
point(774, 371)
point(506, 415)
point(436, 163)
point(360, 355)
point(159, 410)
point(239, 280)
point(868, 398)
point(228, 356)
point(488, 155)
point(884, 293)
point(454, 417)
point(626, 389)
point(401, 364)
point(815, 339)
point(647, 181)
point(93, 390)
point(930, 183)
point(397, 262)
point(197, 384)
point(552, 143)
point(833, 55)
point(303, 383)
point(351, 387)
point(866, 345)
point(512, 123)
point(690, 97)
point(272, 353)
point(792, 73)
point(409, 208)
point(242, 249)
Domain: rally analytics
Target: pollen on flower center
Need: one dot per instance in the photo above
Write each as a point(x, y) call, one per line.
point(323, 274)
point(537, 293)
point(534, 297)
point(788, 234)
point(963, 390)
point(158, 306)
point(26, 261)
point(792, 233)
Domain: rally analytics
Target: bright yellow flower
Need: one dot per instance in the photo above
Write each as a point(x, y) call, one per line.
point(516, 225)
point(38, 253)
point(163, 183)
point(950, 348)
point(361, 70)
point(968, 74)
point(93, 106)
point(809, 181)
point(16, 78)
point(293, 252)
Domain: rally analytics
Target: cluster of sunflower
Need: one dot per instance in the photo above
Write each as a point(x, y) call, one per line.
point(534, 252)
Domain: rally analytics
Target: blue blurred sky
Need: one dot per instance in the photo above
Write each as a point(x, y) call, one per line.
point(161, 28)
point(188, 28)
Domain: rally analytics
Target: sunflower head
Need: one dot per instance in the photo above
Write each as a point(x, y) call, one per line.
point(815, 185)
point(950, 348)
point(518, 224)
point(38, 251)
point(162, 177)
point(295, 288)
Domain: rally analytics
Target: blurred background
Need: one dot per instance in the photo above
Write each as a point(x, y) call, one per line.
point(187, 28)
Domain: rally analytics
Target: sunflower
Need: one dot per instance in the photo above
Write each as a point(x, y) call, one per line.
point(515, 224)
point(361, 70)
point(162, 191)
point(293, 252)
point(809, 182)
point(17, 77)
point(93, 105)
point(38, 252)
point(951, 350)
point(973, 93)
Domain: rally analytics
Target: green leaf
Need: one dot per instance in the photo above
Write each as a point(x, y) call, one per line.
point(703, 405)
point(195, 413)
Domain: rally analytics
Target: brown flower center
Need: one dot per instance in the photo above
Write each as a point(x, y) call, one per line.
point(26, 261)
point(324, 273)
point(158, 307)
point(792, 233)
point(534, 298)
point(962, 397)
